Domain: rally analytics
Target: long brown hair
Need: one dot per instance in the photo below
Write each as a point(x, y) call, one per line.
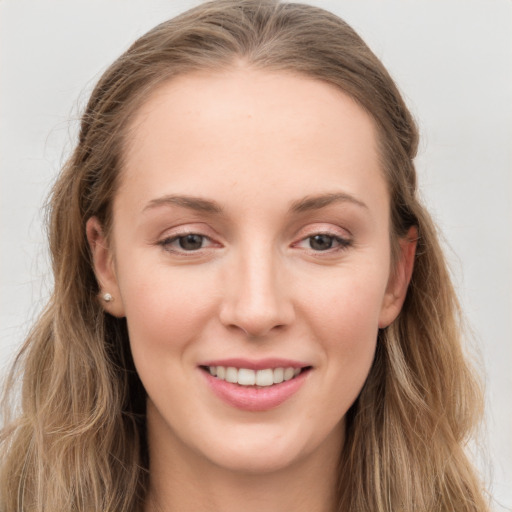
point(77, 440)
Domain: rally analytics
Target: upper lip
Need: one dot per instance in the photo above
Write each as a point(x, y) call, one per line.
point(252, 364)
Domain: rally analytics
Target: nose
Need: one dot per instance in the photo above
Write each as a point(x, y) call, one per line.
point(256, 297)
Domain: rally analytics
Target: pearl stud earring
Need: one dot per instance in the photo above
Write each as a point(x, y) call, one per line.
point(107, 297)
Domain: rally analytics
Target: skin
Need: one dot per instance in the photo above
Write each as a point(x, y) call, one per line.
point(258, 145)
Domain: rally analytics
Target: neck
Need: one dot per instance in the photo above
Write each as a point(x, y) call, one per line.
point(298, 490)
point(181, 480)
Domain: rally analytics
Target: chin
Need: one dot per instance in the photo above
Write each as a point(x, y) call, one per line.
point(253, 460)
point(263, 451)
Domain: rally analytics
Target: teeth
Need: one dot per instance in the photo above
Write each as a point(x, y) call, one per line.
point(278, 375)
point(248, 377)
point(231, 375)
point(288, 373)
point(265, 377)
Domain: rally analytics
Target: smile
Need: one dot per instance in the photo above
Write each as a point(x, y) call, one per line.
point(249, 377)
point(255, 385)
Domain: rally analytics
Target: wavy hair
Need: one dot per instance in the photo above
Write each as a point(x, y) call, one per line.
point(77, 441)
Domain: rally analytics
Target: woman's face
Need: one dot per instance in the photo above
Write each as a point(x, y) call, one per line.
point(250, 235)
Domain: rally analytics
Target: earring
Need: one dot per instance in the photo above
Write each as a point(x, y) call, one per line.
point(107, 297)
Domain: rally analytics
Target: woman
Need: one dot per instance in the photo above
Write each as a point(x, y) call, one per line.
point(250, 306)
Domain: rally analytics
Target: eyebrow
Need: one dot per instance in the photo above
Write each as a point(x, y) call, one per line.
point(190, 202)
point(207, 206)
point(322, 200)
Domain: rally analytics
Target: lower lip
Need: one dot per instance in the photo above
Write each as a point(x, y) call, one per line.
point(249, 398)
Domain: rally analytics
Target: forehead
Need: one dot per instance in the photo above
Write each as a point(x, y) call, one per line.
point(251, 131)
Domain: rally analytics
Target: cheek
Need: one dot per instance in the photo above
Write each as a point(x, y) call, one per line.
point(345, 320)
point(347, 307)
point(350, 342)
point(165, 308)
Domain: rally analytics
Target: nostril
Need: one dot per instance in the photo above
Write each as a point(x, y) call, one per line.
point(255, 302)
point(255, 329)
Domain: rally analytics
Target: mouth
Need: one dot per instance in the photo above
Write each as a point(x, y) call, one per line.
point(255, 385)
point(261, 378)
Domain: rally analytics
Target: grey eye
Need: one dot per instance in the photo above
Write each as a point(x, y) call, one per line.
point(321, 242)
point(191, 242)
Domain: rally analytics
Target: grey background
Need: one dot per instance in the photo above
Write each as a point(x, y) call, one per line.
point(451, 59)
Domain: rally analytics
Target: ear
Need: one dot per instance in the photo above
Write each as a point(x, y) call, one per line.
point(103, 264)
point(399, 279)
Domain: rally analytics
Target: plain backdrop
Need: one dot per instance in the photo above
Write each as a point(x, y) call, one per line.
point(453, 62)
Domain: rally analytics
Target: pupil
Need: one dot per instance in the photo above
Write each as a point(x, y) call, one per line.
point(320, 242)
point(191, 242)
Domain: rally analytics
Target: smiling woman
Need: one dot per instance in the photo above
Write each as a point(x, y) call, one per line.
point(279, 264)
point(251, 307)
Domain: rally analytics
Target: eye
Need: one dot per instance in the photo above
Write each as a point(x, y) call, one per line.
point(188, 242)
point(322, 242)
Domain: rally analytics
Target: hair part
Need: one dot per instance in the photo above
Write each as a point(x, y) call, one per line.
point(82, 416)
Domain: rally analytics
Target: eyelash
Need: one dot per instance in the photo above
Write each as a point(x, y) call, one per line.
point(341, 243)
point(167, 243)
